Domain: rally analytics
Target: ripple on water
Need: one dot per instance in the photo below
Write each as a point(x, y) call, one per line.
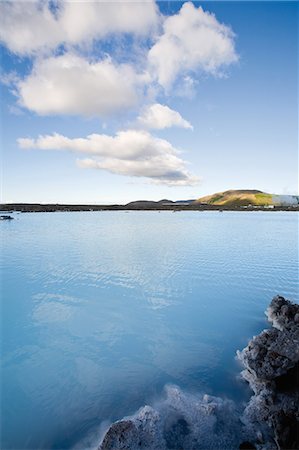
point(101, 310)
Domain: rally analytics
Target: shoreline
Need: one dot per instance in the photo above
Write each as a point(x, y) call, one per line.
point(38, 207)
point(269, 421)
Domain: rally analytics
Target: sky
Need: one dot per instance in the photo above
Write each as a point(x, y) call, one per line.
point(110, 102)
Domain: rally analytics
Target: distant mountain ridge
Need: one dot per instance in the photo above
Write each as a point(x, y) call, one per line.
point(151, 204)
point(247, 197)
point(230, 198)
point(239, 199)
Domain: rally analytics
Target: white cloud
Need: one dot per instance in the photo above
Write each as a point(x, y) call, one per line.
point(28, 27)
point(159, 116)
point(168, 169)
point(133, 153)
point(69, 84)
point(192, 40)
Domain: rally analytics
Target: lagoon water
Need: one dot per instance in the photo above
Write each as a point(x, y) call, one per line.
point(100, 310)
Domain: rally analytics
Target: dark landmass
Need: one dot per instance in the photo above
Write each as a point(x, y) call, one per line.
point(270, 421)
point(137, 206)
point(234, 200)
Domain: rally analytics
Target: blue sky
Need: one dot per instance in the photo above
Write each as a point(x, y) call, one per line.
point(148, 101)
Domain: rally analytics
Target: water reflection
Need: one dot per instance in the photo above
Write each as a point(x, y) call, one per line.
point(101, 310)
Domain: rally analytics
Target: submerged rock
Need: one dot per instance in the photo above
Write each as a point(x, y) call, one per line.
point(271, 362)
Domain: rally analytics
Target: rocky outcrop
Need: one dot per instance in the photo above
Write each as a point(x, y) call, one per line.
point(134, 433)
point(271, 362)
point(180, 421)
point(6, 217)
point(200, 422)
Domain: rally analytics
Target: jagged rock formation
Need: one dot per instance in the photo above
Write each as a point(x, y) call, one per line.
point(271, 362)
point(180, 421)
point(270, 421)
point(137, 432)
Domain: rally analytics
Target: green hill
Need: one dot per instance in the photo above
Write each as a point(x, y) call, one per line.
point(238, 198)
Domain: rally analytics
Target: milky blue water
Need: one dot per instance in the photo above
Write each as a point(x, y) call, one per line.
point(101, 309)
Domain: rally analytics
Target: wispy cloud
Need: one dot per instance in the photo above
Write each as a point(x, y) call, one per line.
point(133, 153)
point(159, 116)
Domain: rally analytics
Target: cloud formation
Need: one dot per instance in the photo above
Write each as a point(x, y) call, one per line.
point(159, 116)
point(69, 76)
point(69, 84)
point(73, 83)
point(34, 26)
point(192, 40)
point(133, 153)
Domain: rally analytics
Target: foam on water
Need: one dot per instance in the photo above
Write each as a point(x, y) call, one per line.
point(179, 420)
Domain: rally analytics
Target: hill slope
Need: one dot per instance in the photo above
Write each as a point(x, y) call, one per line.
point(238, 198)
